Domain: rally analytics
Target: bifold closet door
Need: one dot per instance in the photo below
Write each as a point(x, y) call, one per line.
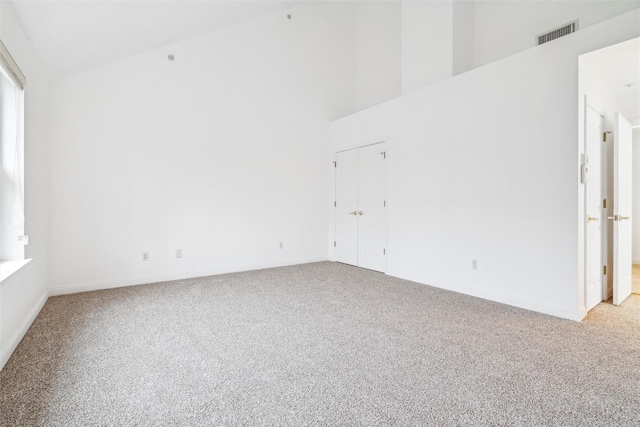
point(361, 220)
point(372, 221)
point(346, 207)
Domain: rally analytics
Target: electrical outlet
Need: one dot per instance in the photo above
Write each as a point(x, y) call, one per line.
point(281, 245)
point(474, 264)
point(145, 256)
point(178, 253)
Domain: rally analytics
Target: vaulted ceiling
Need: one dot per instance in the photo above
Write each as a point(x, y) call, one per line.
point(71, 35)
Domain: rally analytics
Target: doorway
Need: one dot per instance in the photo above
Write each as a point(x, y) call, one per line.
point(361, 207)
point(609, 87)
point(635, 287)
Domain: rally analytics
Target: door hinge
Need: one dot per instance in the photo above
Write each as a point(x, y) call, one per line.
point(604, 136)
point(604, 269)
point(334, 243)
point(335, 164)
point(335, 204)
point(384, 154)
point(384, 203)
point(384, 251)
point(604, 203)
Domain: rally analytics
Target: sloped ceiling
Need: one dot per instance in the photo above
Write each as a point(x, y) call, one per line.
point(79, 34)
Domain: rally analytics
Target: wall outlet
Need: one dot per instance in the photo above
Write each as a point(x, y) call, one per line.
point(145, 256)
point(178, 253)
point(474, 264)
point(281, 245)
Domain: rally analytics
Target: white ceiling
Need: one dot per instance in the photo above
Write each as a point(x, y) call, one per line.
point(71, 35)
point(618, 66)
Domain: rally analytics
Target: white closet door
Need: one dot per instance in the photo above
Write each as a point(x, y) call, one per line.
point(347, 207)
point(372, 218)
point(622, 272)
point(593, 207)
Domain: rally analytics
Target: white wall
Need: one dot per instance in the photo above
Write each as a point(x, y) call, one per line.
point(636, 196)
point(485, 166)
point(427, 43)
point(378, 49)
point(445, 38)
point(220, 153)
point(23, 294)
point(502, 28)
point(463, 35)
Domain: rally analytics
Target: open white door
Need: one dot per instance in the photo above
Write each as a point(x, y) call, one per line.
point(622, 272)
point(594, 124)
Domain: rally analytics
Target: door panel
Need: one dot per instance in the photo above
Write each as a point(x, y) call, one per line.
point(622, 270)
point(346, 206)
point(594, 124)
point(372, 222)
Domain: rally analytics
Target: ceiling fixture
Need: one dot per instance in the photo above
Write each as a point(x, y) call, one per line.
point(629, 84)
point(171, 57)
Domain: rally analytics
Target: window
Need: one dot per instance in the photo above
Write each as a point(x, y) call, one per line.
point(12, 218)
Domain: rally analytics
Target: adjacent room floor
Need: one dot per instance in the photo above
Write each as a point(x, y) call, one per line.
point(318, 344)
point(635, 286)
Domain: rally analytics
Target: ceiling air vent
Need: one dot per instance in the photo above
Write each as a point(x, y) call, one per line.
point(556, 33)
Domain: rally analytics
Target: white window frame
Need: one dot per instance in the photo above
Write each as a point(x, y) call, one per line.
point(10, 69)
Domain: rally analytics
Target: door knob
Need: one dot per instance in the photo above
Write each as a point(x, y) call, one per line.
point(360, 213)
point(618, 218)
point(353, 213)
point(592, 218)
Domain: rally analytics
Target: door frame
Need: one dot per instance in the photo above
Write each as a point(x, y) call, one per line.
point(586, 102)
point(589, 103)
point(332, 239)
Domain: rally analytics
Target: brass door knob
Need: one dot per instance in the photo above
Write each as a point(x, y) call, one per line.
point(592, 218)
point(353, 213)
point(618, 218)
point(360, 213)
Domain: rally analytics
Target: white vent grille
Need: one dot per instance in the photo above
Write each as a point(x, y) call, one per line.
point(557, 32)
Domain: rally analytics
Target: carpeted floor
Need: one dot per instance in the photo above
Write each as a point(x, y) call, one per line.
point(318, 344)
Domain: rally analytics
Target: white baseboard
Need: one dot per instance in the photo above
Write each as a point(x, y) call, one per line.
point(118, 283)
point(13, 342)
point(540, 307)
